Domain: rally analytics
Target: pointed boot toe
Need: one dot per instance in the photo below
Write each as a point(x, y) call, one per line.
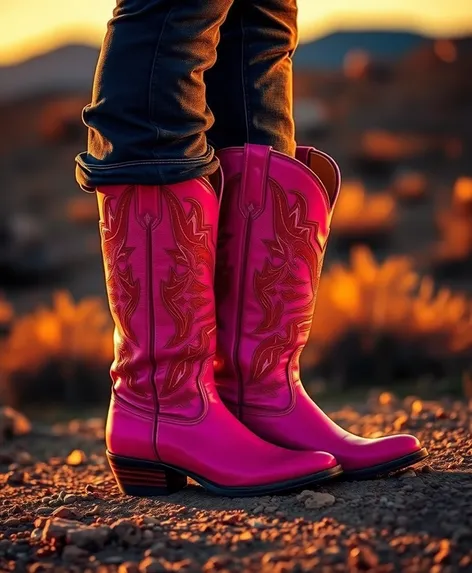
point(370, 458)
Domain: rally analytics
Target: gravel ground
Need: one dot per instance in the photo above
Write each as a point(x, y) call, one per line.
point(61, 510)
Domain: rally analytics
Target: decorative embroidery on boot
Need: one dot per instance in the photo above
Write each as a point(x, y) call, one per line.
point(185, 296)
point(123, 289)
point(278, 284)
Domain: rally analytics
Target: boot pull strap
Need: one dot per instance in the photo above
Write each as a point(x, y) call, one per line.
point(302, 153)
point(324, 167)
point(254, 179)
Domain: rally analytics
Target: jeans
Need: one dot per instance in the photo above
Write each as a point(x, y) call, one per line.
point(178, 79)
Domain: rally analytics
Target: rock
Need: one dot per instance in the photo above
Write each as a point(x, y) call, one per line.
point(151, 565)
point(57, 529)
point(402, 521)
point(306, 493)
point(427, 469)
point(76, 458)
point(73, 553)
point(95, 510)
point(127, 531)
point(231, 518)
point(217, 563)
point(36, 534)
point(24, 458)
point(150, 521)
point(40, 522)
point(316, 499)
point(444, 551)
point(462, 533)
point(16, 477)
point(148, 536)
point(156, 550)
point(408, 474)
point(363, 557)
point(12, 423)
point(89, 537)
point(70, 498)
point(246, 536)
point(128, 567)
point(400, 423)
point(113, 559)
point(66, 513)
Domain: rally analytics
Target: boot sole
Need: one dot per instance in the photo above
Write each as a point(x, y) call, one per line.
point(381, 470)
point(144, 478)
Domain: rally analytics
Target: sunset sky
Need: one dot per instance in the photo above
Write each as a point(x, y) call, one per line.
point(31, 26)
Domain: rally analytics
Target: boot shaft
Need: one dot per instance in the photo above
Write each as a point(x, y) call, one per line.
point(274, 225)
point(158, 247)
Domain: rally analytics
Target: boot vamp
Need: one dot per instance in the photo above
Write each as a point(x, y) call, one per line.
point(304, 426)
point(224, 451)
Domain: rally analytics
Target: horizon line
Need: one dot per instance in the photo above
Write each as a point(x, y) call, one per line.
point(85, 36)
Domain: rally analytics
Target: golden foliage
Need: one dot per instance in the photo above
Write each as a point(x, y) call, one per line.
point(6, 311)
point(389, 146)
point(410, 185)
point(462, 192)
point(68, 331)
point(358, 212)
point(388, 298)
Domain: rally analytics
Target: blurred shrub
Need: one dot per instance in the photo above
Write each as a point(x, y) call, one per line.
point(60, 120)
point(372, 322)
point(391, 146)
point(360, 217)
point(453, 252)
point(462, 196)
point(410, 186)
point(58, 355)
point(83, 209)
point(387, 313)
point(6, 315)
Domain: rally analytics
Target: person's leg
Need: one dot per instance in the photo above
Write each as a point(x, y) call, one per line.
point(249, 90)
point(158, 224)
point(148, 115)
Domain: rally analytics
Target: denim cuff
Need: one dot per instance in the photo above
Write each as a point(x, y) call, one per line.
point(91, 173)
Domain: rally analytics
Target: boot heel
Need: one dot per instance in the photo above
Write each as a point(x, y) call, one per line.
point(145, 478)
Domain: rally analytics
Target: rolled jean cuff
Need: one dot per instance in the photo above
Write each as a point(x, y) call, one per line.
point(91, 173)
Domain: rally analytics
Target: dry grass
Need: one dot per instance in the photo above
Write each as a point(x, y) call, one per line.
point(359, 213)
point(54, 353)
point(410, 185)
point(455, 225)
point(63, 353)
point(6, 313)
point(392, 300)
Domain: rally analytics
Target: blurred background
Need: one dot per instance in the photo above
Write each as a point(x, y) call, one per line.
point(385, 87)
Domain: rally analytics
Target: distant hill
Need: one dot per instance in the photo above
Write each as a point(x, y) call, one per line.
point(68, 68)
point(329, 52)
point(71, 67)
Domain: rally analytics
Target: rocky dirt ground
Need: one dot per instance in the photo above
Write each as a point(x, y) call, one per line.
point(61, 510)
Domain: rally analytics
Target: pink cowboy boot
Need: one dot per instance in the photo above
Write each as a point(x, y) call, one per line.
point(274, 225)
point(166, 420)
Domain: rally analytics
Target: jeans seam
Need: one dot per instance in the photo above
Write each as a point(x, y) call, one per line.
point(244, 80)
point(151, 78)
point(147, 162)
